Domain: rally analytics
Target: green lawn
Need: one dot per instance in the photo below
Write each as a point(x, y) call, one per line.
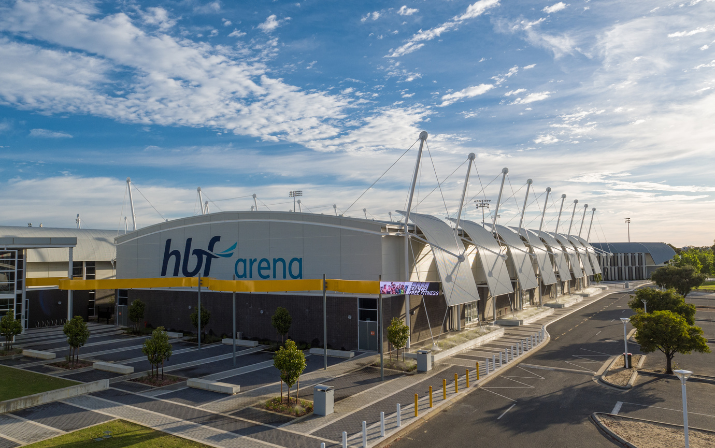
point(19, 383)
point(708, 286)
point(123, 434)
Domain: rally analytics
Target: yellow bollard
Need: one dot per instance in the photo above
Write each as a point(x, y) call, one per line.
point(444, 389)
point(430, 396)
point(477, 371)
point(467, 378)
point(456, 383)
point(416, 405)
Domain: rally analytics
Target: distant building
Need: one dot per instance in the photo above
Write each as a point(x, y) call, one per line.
point(631, 261)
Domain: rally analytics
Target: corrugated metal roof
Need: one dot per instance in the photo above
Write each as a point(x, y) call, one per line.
point(457, 279)
point(660, 252)
point(92, 244)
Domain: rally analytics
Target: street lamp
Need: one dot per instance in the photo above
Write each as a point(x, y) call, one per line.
point(294, 194)
point(628, 222)
point(625, 320)
point(645, 306)
point(684, 375)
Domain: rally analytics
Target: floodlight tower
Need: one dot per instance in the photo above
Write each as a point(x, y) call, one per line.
point(295, 194)
point(483, 203)
point(628, 222)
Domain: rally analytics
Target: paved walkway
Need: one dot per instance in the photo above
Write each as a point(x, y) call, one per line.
point(232, 421)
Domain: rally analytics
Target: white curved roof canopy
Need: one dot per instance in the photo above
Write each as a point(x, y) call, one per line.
point(591, 254)
point(457, 279)
point(582, 253)
point(572, 254)
point(488, 258)
point(521, 257)
point(542, 256)
point(560, 258)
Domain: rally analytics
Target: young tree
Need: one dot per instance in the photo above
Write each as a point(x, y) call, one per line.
point(77, 334)
point(661, 301)
point(682, 279)
point(690, 257)
point(397, 335)
point(157, 350)
point(9, 327)
point(205, 317)
point(281, 321)
point(136, 313)
point(669, 333)
point(291, 363)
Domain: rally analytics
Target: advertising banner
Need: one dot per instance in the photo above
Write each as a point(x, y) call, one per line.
point(412, 288)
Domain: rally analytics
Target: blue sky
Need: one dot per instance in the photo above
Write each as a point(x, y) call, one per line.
point(610, 103)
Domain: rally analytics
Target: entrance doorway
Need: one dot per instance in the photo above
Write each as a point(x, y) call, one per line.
point(367, 325)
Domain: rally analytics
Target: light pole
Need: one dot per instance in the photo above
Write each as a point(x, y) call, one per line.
point(294, 194)
point(625, 320)
point(645, 306)
point(628, 223)
point(483, 203)
point(684, 375)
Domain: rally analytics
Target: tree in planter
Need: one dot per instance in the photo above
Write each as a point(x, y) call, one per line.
point(281, 321)
point(157, 350)
point(205, 317)
point(290, 362)
point(598, 278)
point(669, 333)
point(661, 301)
point(77, 334)
point(9, 327)
point(681, 278)
point(397, 334)
point(136, 313)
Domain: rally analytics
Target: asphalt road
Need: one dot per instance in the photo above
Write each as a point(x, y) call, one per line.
point(527, 406)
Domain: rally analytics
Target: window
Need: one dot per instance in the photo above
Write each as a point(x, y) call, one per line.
point(471, 312)
point(77, 269)
point(367, 310)
point(122, 297)
point(89, 270)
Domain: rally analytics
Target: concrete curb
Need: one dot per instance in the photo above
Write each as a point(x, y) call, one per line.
point(696, 378)
point(603, 428)
point(53, 395)
point(602, 371)
point(476, 342)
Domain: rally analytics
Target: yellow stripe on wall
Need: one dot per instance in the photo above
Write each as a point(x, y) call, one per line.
point(44, 281)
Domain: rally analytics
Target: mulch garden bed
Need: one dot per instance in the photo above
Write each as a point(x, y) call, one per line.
point(275, 404)
point(408, 365)
point(14, 351)
point(71, 365)
point(158, 381)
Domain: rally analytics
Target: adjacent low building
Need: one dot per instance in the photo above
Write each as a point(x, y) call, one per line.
point(632, 261)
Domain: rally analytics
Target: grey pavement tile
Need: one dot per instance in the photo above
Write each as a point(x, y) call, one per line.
point(5, 443)
point(223, 365)
point(263, 416)
point(62, 416)
point(354, 383)
point(192, 397)
point(91, 375)
point(131, 386)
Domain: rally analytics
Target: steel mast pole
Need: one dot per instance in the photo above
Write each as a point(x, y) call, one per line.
point(541, 224)
point(494, 222)
point(233, 296)
point(526, 198)
point(593, 212)
point(422, 137)
point(325, 325)
point(201, 200)
point(575, 201)
point(583, 218)
point(558, 220)
point(471, 158)
point(255, 204)
point(131, 203)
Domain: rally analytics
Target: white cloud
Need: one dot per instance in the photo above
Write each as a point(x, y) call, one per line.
point(310, 65)
point(560, 45)
point(416, 41)
point(527, 67)
point(711, 64)
point(158, 17)
point(702, 29)
point(271, 23)
point(227, 22)
point(501, 78)
point(408, 95)
point(514, 92)
point(532, 97)
point(371, 16)
point(556, 7)
point(405, 11)
point(208, 8)
point(546, 139)
point(469, 92)
point(44, 133)
point(237, 33)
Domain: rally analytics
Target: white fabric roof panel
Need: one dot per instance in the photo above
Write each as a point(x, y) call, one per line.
point(488, 248)
point(560, 258)
point(457, 280)
point(521, 257)
point(591, 255)
point(582, 253)
point(92, 244)
point(572, 254)
point(542, 256)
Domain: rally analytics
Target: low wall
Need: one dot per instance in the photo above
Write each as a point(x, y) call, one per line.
point(52, 395)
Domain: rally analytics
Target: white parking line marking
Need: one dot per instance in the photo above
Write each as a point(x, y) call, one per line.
point(598, 333)
point(506, 411)
point(669, 409)
point(617, 408)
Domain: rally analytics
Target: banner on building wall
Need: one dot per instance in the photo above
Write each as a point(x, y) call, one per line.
point(412, 288)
